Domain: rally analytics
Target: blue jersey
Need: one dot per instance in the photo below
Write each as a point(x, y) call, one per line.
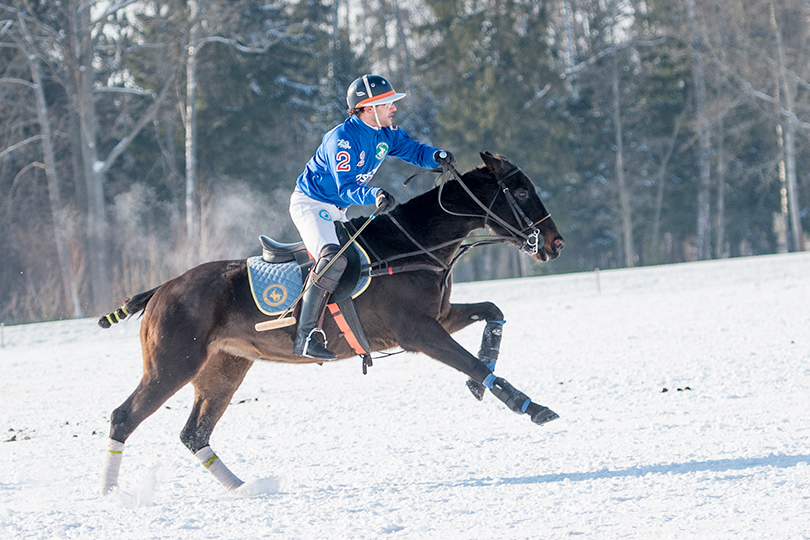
point(348, 157)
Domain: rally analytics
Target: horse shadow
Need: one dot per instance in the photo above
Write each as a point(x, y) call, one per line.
point(779, 461)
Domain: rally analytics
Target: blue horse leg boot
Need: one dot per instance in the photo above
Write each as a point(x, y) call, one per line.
point(314, 303)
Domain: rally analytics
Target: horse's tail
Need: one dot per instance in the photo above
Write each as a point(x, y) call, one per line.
point(131, 307)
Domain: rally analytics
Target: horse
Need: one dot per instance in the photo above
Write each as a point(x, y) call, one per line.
point(200, 327)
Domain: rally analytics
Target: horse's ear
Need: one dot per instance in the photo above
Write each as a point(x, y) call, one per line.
point(496, 164)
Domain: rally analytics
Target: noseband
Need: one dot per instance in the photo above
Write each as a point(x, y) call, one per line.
point(530, 234)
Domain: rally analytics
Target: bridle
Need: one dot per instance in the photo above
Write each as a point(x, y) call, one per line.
point(530, 234)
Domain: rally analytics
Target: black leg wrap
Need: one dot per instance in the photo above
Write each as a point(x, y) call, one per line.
point(488, 354)
point(520, 403)
point(511, 396)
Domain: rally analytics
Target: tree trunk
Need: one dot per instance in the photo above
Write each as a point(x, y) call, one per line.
point(192, 218)
point(71, 289)
point(82, 49)
point(571, 80)
point(80, 54)
point(720, 201)
point(789, 146)
point(704, 143)
point(624, 195)
point(405, 50)
point(659, 196)
point(781, 218)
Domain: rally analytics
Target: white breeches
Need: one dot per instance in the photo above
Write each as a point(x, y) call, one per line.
point(315, 221)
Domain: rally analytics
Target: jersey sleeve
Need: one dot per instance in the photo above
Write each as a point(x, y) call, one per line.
point(411, 151)
point(342, 161)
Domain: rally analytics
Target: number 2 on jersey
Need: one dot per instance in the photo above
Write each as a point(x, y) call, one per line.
point(344, 162)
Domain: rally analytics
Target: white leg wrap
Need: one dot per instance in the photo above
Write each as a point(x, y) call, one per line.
point(220, 471)
point(112, 464)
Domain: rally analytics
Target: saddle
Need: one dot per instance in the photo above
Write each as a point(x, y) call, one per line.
point(278, 276)
point(352, 283)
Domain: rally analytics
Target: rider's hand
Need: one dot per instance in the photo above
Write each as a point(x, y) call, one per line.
point(385, 202)
point(444, 158)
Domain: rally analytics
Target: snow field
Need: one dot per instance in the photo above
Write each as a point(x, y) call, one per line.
point(407, 452)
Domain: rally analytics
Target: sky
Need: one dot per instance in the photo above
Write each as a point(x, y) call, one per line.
point(682, 392)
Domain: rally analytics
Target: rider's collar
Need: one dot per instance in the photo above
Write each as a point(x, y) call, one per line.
point(356, 119)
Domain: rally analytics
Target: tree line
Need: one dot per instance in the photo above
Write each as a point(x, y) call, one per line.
point(140, 138)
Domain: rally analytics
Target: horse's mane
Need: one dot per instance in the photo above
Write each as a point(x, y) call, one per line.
point(452, 193)
point(423, 217)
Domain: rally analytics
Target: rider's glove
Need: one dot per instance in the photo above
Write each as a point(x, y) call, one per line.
point(444, 158)
point(385, 202)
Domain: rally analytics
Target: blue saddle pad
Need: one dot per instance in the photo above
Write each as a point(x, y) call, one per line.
point(275, 286)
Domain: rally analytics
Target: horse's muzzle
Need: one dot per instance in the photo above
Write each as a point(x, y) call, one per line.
point(552, 251)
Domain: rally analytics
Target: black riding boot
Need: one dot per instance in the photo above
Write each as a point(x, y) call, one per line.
point(314, 304)
point(307, 342)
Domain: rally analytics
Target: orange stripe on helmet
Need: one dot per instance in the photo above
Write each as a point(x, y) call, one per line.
point(371, 100)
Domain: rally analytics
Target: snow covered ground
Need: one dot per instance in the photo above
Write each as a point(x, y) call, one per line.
point(407, 452)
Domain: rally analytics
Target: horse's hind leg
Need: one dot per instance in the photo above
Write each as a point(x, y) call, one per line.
point(151, 393)
point(168, 365)
point(214, 386)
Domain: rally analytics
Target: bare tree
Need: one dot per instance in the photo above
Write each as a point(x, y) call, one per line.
point(78, 49)
point(661, 183)
point(720, 195)
point(190, 124)
point(26, 44)
point(624, 192)
point(704, 142)
point(767, 71)
point(787, 136)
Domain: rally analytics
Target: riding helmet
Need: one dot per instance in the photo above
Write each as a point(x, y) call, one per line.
point(371, 90)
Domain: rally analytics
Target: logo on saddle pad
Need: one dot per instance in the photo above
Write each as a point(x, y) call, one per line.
point(274, 295)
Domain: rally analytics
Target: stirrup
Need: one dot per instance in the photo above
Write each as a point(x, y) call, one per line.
point(313, 348)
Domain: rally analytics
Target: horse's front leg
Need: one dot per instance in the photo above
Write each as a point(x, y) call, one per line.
point(460, 316)
point(428, 336)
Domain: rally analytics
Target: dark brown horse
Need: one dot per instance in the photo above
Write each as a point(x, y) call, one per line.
point(199, 327)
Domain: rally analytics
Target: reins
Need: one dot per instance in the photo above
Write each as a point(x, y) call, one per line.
point(531, 241)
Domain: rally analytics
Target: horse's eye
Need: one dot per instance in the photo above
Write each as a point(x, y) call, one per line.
point(522, 194)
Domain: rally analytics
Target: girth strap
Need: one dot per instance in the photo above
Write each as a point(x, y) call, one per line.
point(391, 270)
point(345, 316)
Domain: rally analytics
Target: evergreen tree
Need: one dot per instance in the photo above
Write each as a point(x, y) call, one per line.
point(488, 67)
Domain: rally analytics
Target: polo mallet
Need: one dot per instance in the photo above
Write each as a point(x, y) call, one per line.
point(283, 320)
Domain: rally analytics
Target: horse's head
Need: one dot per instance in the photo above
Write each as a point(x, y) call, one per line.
point(517, 211)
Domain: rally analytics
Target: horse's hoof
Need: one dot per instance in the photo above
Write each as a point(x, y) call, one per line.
point(541, 414)
point(476, 388)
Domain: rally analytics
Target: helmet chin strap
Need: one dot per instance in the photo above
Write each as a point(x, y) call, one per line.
point(376, 116)
point(374, 107)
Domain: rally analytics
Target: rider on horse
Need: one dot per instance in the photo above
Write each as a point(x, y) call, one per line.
point(337, 177)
